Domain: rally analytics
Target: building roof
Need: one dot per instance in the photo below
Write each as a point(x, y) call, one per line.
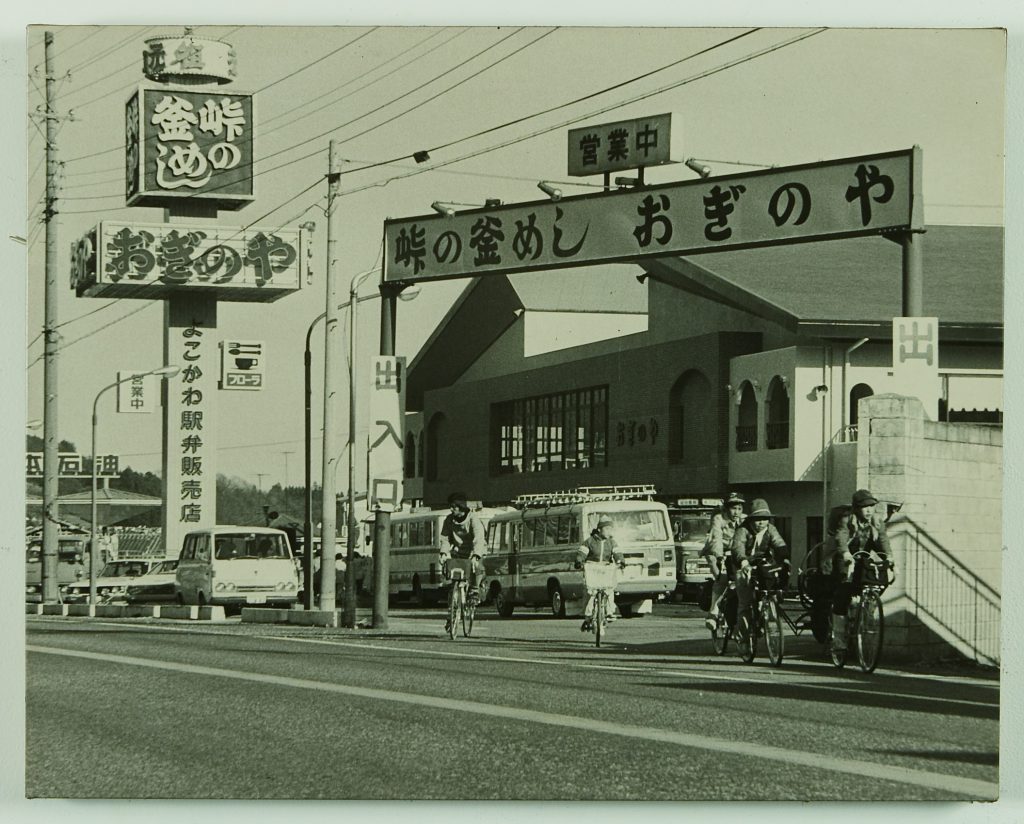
point(860, 279)
point(105, 497)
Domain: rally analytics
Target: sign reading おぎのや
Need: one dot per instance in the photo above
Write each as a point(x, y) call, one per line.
point(834, 199)
point(625, 144)
point(183, 143)
point(142, 260)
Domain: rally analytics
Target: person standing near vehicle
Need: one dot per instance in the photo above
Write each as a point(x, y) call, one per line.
point(600, 547)
point(756, 539)
point(719, 541)
point(466, 538)
point(862, 530)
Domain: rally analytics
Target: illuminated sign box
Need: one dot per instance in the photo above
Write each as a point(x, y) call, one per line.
point(153, 260)
point(625, 144)
point(183, 143)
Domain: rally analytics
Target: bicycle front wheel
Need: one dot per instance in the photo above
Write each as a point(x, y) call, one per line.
point(468, 613)
point(720, 636)
point(746, 640)
point(870, 631)
point(771, 618)
point(838, 655)
point(599, 616)
point(453, 610)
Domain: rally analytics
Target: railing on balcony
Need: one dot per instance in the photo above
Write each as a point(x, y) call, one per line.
point(945, 592)
point(849, 434)
point(746, 438)
point(777, 435)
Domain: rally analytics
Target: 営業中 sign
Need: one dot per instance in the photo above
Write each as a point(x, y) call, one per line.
point(625, 144)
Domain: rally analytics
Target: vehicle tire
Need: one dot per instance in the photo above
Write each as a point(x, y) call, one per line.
point(179, 599)
point(599, 618)
point(773, 637)
point(416, 599)
point(870, 631)
point(626, 611)
point(720, 637)
point(503, 604)
point(556, 600)
point(746, 638)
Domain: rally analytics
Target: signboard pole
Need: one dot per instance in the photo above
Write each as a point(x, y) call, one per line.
point(382, 517)
point(913, 274)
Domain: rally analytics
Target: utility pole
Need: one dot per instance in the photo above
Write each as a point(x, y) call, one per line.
point(259, 480)
point(51, 527)
point(328, 486)
point(285, 488)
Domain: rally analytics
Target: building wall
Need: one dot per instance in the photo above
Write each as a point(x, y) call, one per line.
point(947, 539)
point(639, 379)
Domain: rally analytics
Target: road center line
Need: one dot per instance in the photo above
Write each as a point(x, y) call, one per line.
point(920, 778)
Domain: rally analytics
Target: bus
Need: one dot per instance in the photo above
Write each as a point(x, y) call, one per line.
point(691, 520)
point(416, 543)
point(533, 550)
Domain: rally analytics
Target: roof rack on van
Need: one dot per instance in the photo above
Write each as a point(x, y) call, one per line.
point(583, 494)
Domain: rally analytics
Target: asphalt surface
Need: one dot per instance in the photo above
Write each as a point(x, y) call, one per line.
point(525, 709)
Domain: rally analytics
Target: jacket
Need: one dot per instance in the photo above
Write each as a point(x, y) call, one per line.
point(745, 544)
point(465, 537)
point(601, 549)
point(720, 535)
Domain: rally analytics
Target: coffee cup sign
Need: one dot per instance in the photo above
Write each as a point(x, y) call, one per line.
point(241, 364)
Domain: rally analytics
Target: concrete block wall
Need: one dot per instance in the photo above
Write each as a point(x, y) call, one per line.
point(947, 540)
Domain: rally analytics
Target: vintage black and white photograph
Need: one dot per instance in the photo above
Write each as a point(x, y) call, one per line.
point(443, 410)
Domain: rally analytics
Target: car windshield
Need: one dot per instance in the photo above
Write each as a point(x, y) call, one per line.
point(163, 568)
point(250, 545)
point(690, 528)
point(123, 569)
point(632, 526)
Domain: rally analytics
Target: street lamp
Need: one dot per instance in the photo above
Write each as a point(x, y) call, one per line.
point(408, 294)
point(164, 372)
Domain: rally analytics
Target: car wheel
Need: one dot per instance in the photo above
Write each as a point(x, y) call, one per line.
point(557, 601)
point(502, 604)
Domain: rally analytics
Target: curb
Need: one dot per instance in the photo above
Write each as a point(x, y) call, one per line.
point(300, 617)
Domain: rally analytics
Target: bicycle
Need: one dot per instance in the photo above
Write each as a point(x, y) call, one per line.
point(767, 617)
point(461, 608)
point(599, 578)
point(865, 619)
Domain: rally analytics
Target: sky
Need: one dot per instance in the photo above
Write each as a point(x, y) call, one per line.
point(836, 93)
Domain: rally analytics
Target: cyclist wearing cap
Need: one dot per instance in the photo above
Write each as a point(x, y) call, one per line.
point(600, 547)
point(862, 530)
point(723, 526)
point(466, 539)
point(755, 540)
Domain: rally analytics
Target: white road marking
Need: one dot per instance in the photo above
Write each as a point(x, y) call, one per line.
point(867, 769)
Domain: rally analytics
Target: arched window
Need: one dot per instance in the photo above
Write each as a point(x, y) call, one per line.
point(777, 415)
point(433, 471)
point(691, 438)
point(420, 460)
point(746, 426)
point(410, 455)
point(861, 390)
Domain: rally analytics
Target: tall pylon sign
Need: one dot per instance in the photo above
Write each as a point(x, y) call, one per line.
point(188, 150)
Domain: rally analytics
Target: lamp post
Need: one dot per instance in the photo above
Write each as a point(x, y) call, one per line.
point(164, 372)
point(307, 571)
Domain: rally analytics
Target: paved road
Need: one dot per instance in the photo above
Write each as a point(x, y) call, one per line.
point(527, 708)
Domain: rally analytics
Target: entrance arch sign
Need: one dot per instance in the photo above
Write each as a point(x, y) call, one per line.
point(849, 197)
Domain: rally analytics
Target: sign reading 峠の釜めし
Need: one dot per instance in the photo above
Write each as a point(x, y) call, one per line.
point(153, 260)
point(183, 143)
point(849, 197)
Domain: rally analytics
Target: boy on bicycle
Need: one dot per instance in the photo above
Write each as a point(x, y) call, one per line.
point(723, 526)
point(466, 538)
point(755, 541)
point(862, 530)
point(600, 547)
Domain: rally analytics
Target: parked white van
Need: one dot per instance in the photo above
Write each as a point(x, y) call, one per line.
point(235, 566)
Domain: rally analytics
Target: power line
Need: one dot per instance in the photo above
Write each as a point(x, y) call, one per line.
point(358, 78)
point(318, 60)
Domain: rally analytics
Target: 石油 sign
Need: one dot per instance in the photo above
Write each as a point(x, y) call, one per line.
point(143, 260)
point(182, 143)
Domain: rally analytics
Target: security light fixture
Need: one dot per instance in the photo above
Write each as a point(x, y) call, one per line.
point(550, 190)
point(698, 167)
point(442, 209)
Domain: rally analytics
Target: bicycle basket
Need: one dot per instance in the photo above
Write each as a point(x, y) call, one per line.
point(457, 569)
point(597, 575)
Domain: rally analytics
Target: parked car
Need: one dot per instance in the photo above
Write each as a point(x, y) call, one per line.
point(112, 582)
point(70, 566)
point(156, 586)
